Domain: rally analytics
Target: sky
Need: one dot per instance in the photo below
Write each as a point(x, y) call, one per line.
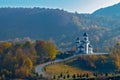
point(80, 6)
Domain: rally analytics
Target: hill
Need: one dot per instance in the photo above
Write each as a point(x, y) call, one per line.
point(35, 23)
point(109, 11)
point(59, 25)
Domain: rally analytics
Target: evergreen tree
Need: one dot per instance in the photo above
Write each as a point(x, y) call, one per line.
point(68, 76)
point(74, 76)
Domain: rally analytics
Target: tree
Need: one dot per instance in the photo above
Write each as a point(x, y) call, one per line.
point(87, 75)
point(16, 60)
point(54, 77)
point(64, 77)
point(5, 47)
point(95, 74)
point(31, 53)
point(51, 50)
point(8, 62)
point(115, 55)
point(74, 76)
point(78, 75)
point(6, 44)
point(68, 76)
point(28, 44)
point(40, 47)
point(61, 75)
point(22, 72)
point(24, 66)
point(106, 74)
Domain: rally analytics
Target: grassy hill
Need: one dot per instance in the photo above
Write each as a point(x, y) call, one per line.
point(93, 63)
point(100, 64)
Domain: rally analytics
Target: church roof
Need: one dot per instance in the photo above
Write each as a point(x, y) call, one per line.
point(82, 41)
point(90, 45)
point(77, 38)
point(81, 46)
point(85, 34)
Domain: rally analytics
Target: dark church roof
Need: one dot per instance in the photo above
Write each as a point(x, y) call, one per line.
point(82, 41)
point(85, 34)
point(90, 45)
point(81, 46)
point(77, 38)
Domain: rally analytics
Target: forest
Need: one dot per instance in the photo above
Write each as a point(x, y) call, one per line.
point(18, 59)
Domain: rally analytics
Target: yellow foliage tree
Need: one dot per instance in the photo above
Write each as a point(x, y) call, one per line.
point(115, 55)
point(22, 72)
point(24, 66)
point(6, 44)
point(51, 50)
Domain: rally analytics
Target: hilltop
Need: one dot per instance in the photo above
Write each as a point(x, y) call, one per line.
point(109, 11)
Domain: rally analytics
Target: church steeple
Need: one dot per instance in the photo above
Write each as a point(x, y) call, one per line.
point(85, 35)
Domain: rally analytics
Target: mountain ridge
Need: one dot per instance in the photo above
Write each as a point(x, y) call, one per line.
point(108, 11)
point(61, 26)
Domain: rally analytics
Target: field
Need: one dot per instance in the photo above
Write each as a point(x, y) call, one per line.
point(61, 71)
point(60, 68)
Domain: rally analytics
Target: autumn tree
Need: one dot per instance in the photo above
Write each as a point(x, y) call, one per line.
point(6, 44)
point(51, 50)
point(17, 58)
point(5, 47)
point(24, 65)
point(30, 51)
point(115, 55)
point(28, 44)
point(40, 47)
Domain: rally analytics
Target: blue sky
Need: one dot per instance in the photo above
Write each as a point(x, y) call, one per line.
point(81, 6)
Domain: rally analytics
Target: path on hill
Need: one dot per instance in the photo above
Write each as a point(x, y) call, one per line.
point(40, 68)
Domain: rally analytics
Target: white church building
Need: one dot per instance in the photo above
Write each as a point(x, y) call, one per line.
point(83, 46)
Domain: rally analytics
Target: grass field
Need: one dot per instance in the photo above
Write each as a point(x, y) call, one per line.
point(58, 68)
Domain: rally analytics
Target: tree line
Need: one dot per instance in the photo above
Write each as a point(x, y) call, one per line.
point(17, 59)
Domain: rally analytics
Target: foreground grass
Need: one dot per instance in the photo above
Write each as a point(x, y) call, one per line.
point(60, 68)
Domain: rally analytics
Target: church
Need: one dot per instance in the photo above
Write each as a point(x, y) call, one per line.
point(83, 46)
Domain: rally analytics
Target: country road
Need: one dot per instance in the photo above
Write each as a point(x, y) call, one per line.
point(40, 68)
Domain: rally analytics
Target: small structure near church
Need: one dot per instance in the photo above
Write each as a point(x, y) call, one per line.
point(83, 46)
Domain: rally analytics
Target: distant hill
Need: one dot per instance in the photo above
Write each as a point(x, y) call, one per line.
point(35, 23)
point(109, 11)
point(61, 26)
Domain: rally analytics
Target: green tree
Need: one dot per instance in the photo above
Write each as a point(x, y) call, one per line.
point(73, 76)
point(68, 76)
